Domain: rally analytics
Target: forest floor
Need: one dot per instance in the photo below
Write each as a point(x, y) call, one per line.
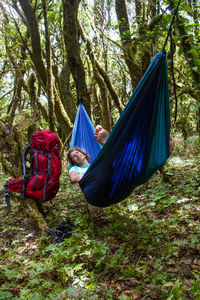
point(146, 247)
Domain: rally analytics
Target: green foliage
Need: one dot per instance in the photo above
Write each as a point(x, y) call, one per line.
point(5, 295)
point(146, 36)
point(147, 245)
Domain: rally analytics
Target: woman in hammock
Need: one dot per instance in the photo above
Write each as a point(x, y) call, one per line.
point(79, 158)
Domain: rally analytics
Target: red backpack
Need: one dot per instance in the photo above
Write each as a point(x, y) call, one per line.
point(43, 183)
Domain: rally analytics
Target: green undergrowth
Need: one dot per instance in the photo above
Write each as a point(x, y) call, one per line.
point(146, 247)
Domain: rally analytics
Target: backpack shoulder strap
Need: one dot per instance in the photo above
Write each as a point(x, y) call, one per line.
point(7, 198)
point(24, 159)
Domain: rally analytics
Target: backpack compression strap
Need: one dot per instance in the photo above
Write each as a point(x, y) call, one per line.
point(49, 155)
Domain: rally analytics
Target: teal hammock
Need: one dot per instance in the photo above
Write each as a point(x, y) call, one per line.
point(137, 146)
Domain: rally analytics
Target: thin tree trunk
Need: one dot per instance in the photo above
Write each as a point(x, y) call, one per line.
point(103, 73)
point(129, 49)
point(104, 101)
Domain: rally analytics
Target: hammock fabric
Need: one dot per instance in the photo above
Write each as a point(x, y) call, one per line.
point(83, 134)
point(138, 144)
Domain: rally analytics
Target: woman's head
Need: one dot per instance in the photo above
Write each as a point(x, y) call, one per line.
point(76, 156)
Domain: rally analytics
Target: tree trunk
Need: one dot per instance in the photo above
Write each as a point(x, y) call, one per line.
point(43, 76)
point(34, 212)
point(35, 40)
point(187, 49)
point(104, 101)
point(196, 16)
point(102, 72)
point(141, 19)
point(129, 48)
point(63, 85)
point(62, 117)
point(71, 39)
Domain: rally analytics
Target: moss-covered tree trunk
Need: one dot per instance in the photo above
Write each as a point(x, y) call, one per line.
point(11, 147)
point(32, 209)
point(141, 19)
point(71, 39)
point(37, 56)
point(191, 58)
point(129, 49)
point(105, 85)
point(63, 86)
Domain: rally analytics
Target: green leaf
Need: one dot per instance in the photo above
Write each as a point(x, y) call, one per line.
point(5, 295)
point(37, 297)
point(187, 8)
point(168, 284)
point(12, 274)
point(195, 69)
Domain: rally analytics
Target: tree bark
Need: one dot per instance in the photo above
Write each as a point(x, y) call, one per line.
point(141, 19)
point(102, 72)
point(62, 117)
point(129, 49)
point(63, 86)
point(32, 210)
point(104, 100)
point(187, 49)
point(71, 39)
point(11, 148)
point(35, 40)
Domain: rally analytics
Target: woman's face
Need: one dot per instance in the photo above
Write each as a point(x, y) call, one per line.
point(77, 157)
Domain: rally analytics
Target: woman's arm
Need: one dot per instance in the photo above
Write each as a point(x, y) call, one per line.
point(75, 177)
point(101, 135)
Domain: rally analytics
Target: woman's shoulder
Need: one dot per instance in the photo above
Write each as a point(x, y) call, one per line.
point(74, 169)
point(79, 170)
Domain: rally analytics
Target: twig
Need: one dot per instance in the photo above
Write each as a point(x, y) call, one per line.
point(4, 128)
point(139, 257)
point(66, 141)
point(5, 94)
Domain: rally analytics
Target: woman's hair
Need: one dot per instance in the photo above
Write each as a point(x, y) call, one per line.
point(76, 149)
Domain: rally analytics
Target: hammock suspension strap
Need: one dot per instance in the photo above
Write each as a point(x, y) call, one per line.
point(172, 59)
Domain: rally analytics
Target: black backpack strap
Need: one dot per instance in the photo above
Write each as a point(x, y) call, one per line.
point(49, 160)
point(49, 174)
point(49, 164)
point(7, 198)
point(23, 191)
point(24, 159)
point(45, 186)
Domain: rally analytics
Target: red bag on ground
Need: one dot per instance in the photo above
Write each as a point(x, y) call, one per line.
point(45, 169)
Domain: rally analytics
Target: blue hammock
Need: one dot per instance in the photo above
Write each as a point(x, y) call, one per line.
point(83, 134)
point(137, 146)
